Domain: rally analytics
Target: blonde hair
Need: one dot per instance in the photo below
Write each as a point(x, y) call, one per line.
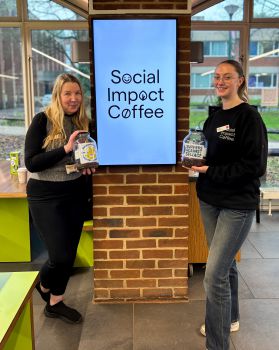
point(242, 90)
point(55, 112)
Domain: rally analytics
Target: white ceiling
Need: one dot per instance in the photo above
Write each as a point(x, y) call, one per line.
point(197, 5)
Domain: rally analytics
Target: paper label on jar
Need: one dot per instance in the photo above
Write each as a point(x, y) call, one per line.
point(87, 152)
point(192, 150)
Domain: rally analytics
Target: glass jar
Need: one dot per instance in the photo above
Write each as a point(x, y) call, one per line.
point(85, 151)
point(194, 149)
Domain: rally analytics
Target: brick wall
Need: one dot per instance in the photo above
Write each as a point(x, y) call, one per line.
point(141, 212)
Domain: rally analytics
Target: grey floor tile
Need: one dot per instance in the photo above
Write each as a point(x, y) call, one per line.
point(266, 243)
point(53, 333)
point(259, 324)
point(248, 251)
point(169, 326)
point(271, 223)
point(195, 283)
point(107, 327)
point(261, 276)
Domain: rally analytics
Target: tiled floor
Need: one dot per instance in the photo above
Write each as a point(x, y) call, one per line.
point(171, 326)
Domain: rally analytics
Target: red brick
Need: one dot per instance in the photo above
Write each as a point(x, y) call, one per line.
point(140, 264)
point(108, 283)
point(108, 200)
point(181, 189)
point(141, 283)
point(180, 273)
point(100, 274)
point(163, 210)
point(140, 178)
point(100, 255)
point(125, 274)
point(140, 222)
point(125, 211)
point(174, 221)
point(108, 244)
point(124, 189)
point(182, 210)
point(107, 265)
point(162, 243)
point(99, 190)
point(157, 273)
point(124, 233)
point(162, 253)
point(182, 232)
point(182, 253)
point(180, 292)
point(172, 282)
point(156, 189)
point(125, 293)
point(172, 178)
point(158, 232)
point(181, 263)
point(141, 243)
point(99, 211)
point(124, 254)
point(157, 293)
point(108, 222)
point(157, 169)
point(101, 293)
point(99, 233)
point(177, 199)
point(108, 179)
point(141, 200)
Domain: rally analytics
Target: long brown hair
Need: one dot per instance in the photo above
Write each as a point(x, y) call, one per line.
point(242, 90)
point(55, 112)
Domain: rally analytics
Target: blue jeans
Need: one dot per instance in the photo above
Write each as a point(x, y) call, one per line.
point(226, 230)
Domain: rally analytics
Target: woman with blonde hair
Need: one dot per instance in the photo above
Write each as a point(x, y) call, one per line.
point(228, 191)
point(56, 197)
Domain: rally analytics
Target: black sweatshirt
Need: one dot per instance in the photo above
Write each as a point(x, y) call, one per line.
point(236, 156)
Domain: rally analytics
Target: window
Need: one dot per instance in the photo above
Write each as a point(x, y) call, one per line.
point(224, 11)
point(51, 56)
point(8, 8)
point(198, 81)
point(50, 10)
point(265, 9)
point(11, 93)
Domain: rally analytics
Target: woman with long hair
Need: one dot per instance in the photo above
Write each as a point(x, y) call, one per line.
point(228, 192)
point(56, 197)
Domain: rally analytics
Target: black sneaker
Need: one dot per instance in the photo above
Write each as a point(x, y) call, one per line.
point(45, 296)
point(60, 310)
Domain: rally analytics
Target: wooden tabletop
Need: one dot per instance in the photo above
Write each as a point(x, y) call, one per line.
point(9, 185)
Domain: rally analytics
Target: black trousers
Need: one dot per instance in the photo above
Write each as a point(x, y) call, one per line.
point(57, 210)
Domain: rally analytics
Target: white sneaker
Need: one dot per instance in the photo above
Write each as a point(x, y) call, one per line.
point(234, 328)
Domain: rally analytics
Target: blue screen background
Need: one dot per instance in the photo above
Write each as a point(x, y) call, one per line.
point(135, 46)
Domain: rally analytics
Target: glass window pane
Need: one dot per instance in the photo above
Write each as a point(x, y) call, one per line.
point(224, 11)
point(263, 92)
point(219, 46)
point(12, 129)
point(50, 10)
point(51, 52)
point(8, 8)
point(265, 9)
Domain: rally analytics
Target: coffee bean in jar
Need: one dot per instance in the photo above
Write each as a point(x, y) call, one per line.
point(194, 149)
point(85, 151)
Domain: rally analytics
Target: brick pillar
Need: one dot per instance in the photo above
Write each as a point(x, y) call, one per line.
point(141, 212)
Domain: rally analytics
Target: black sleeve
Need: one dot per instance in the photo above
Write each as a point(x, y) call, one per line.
point(36, 158)
point(253, 160)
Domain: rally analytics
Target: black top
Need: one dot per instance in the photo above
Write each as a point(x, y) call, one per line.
point(36, 158)
point(236, 156)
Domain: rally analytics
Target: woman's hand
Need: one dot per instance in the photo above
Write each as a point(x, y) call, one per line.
point(88, 171)
point(70, 144)
point(200, 169)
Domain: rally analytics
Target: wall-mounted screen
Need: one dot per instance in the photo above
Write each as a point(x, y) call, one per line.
point(134, 64)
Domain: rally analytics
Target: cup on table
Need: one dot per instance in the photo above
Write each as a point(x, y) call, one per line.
point(22, 175)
